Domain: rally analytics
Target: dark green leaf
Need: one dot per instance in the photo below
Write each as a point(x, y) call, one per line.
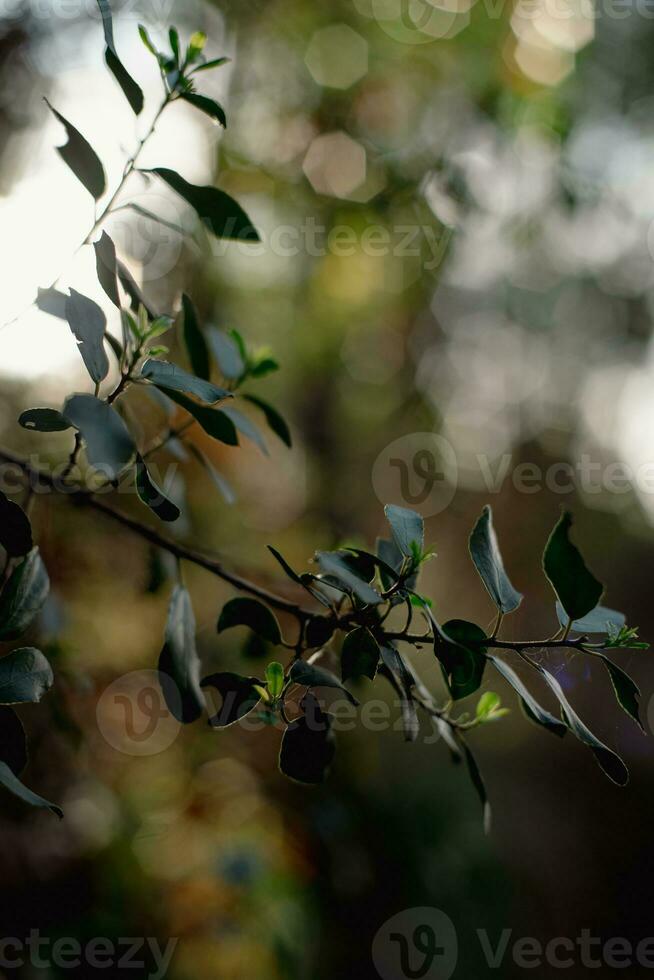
point(332, 563)
point(214, 63)
point(25, 676)
point(220, 213)
point(81, 158)
point(262, 367)
point(626, 691)
point(407, 527)
point(578, 590)
point(15, 528)
point(213, 420)
point(461, 655)
point(611, 763)
point(13, 744)
point(599, 620)
point(179, 663)
point(239, 697)
point(308, 675)
point(133, 290)
point(88, 324)
point(273, 418)
point(488, 562)
point(319, 631)
point(308, 744)
point(152, 495)
point(14, 785)
point(208, 106)
point(532, 708)
point(23, 596)
point(145, 37)
point(131, 90)
point(246, 427)
point(478, 783)
point(105, 264)
point(195, 342)
point(52, 301)
point(359, 655)
point(109, 446)
point(173, 378)
point(227, 353)
point(396, 671)
point(245, 611)
point(173, 36)
point(43, 420)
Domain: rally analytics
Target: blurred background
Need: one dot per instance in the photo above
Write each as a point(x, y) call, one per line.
point(456, 204)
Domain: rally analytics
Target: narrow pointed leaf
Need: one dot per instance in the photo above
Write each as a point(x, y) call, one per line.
point(23, 596)
point(533, 709)
point(81, 158)
point(478, 782)
point(577, 589)
point(485, 553)
point(626, 690)
point(359, 654)
point(43, 420)
point(214, 63)
point(221, 214)
point(131, 90)
point(213, 420)
point(245, 611)
point(109, 446)
point(218, 479)
point(179, 663)
point(332, 563)
point(88, 324)
point(275, 422)
point(25, 676)
point(194, 340)
point(407, 527)
point(173, 378)
point(227, 354)
point(15, 528)
point(239, 697)
point(397, 672)
point(246, 427)
point(210, 108)
point(105, 264)
point(308, 675)
point(153, 496)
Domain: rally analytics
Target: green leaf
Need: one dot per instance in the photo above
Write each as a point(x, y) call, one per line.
point(245, 611)
point(25, 676)
point(153, 496)
point(626, 690)
point(578, 590)
point(308, 745)
point(217, 478)
point(52, 301)
point(196, 47)
point(173, 378)
point(308, 675)
point(265, 365)
point(81, 158)
point(13, 744)
point(213, 420)
point(359, 655)
point(319, 631)
point(173, 36)
point(402, 679)
point(43, 420)
point(23, 596)
point(485, 553)
point(407, 527)
point(105, 264)
point(145, 37)
point(599, 620)
point(332, 563)
point(462, 662)
point(194, 340)
point(275, 679)
point(109, 446)
point(246, 427)
point(227, 354)
point(179, 663)
point(239, 697)
point(221, 214)
point(302, 580)
point(88, 324)
point(14, 785)
point(15, 528)
point(131, 90)
point(214, 63)
point(611, 763)
point(532, 708)
point(273, 418)
point(208, 106)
